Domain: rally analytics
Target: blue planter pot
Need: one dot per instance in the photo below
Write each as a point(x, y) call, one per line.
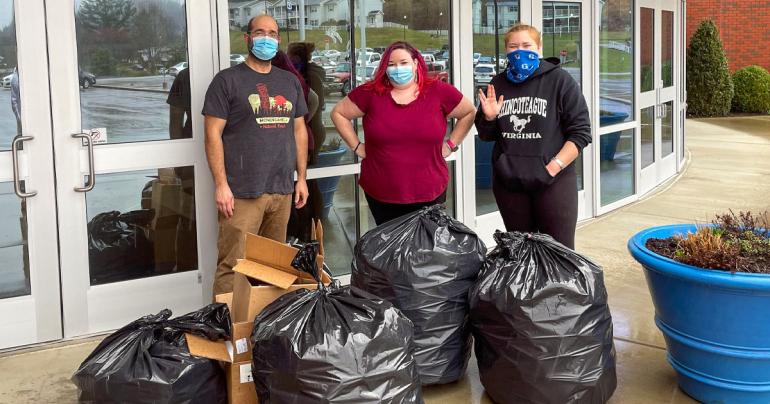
point(608, 143)
point(328, 185)
point(716, 324)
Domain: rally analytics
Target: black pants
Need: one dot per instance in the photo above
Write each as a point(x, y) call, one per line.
point(552, 210)
point(383, 211)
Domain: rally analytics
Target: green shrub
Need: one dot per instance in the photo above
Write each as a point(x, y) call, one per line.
point(102, 62)
point(709, 85)
point(752, 90)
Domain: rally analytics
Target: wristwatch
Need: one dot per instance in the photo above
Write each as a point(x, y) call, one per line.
point(452, 146)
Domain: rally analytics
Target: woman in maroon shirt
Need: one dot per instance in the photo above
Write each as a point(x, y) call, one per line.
point(405, 120)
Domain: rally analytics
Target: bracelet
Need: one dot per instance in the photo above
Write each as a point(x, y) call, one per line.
point(559, 163)
point(357, 146)
point(452, 146)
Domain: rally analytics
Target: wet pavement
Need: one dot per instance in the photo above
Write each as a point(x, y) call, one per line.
point(728, 170)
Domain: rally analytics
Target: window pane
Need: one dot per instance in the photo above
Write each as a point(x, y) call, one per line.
point(647, 48)
point(14, 254)
point(667, 128)
point(561, 36)
point(562, 31)
point(10, 108)
point(617, 166)
point(133, 71)
point(616, 57)
point(667, 58)
point(142, 224)
point(648, 136)
point(339, 221)
point(490, 24)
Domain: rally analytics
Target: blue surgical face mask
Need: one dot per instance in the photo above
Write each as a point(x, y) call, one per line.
point(400, 75)
point(264, 47)
point(300, 66)
point(521, 64)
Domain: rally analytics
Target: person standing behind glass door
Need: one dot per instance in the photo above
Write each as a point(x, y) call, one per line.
point(300, 55)
point(180, 127)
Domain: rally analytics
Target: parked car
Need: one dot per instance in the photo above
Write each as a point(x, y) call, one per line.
point(487, 60)
point(332, 54)
point(431, 58)
point(175, 69)
point(339, 80)
point(369, 73)
point(438, 71)
point(502, 61)
point(476, 57)
point(86, 79)
point(371, 58)
point(236, 58)
point(7, 81)
point(483, 73)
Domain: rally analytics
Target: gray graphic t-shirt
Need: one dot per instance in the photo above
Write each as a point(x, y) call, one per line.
point(260, 152)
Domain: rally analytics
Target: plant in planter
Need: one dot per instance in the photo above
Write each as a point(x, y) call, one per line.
point(711, 289)
point(329, 154)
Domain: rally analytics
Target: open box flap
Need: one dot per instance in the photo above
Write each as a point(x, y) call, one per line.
point(217, 350)
point(282, 278)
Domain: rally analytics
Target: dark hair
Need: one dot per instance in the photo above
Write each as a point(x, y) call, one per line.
point(282, 61)
point(302, 51)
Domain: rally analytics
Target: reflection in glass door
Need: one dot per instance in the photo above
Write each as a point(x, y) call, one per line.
point(29, 269)
point(617, 134)
point(565, 37)
point(131, 159)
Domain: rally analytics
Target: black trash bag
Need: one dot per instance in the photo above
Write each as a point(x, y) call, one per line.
point(541, 324)
point(147, 361)
point(425, 263)
point(118, 246)
point(333, 345)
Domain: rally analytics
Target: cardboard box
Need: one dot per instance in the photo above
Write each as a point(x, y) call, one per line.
point(239, 379)
point(262, 276)
point(266, 274)
point(240, 383)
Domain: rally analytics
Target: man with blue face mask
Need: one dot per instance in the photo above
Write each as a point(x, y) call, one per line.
point(255, 140)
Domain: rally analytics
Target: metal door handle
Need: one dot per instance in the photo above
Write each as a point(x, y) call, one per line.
point(91, 178)
point(14, 154)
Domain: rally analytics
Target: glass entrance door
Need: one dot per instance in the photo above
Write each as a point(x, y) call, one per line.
point(132, 180)
point(29, 271)
point(657, 91)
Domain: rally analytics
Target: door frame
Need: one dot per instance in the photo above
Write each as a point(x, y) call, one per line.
point(648, 176)
point(35, 317)
point(90, 309)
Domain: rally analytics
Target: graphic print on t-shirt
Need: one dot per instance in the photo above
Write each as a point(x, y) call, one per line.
point(271, 112)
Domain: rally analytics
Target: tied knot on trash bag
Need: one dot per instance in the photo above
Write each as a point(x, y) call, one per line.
point(437, 213)
point(147, 361)
point(306, 260)
point(541, 324)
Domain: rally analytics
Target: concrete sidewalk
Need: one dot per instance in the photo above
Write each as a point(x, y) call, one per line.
point(728, 170)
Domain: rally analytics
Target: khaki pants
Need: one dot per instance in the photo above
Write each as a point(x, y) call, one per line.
point(266, 216)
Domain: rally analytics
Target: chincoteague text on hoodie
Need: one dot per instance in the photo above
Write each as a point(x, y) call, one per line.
point(520, 110)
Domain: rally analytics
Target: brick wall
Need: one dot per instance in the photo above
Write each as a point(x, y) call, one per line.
point(744, 26)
